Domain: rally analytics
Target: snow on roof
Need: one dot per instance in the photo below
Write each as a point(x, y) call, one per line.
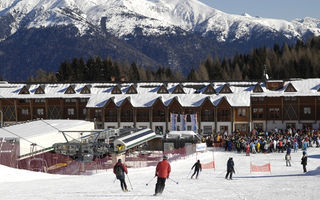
point(44, 133)
point(147, 92)
point(40, 127)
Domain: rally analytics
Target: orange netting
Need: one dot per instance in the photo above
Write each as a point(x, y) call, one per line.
point(209, 165)
point(260, 168)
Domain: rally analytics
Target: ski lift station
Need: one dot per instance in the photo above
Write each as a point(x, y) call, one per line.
point(40, 135)
point(134, 139)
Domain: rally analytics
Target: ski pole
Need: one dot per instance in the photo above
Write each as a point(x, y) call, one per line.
point(114, 180)
point(176, 182)
point(129, 182)
point(150, 181)
point(189, 173)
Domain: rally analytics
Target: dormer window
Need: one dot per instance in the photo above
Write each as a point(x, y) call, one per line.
point(24, 90)
point(162, 90)
point(86, 89)
point(257, 89)
point(226, 89)
point(132, 90)
point(70, 90)
point(290, 88)
point(40, 90)
point(116, 90)
point(209, 90)
point(178, 90)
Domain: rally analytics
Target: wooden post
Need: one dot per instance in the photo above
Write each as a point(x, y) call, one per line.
point(134, 117)
point(119, 116)
point(46, 109)
point(150, 117)
point(16, 109)
point(31, 108)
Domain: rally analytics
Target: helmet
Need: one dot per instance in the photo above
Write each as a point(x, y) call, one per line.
point(119, 160)
point(164, 157)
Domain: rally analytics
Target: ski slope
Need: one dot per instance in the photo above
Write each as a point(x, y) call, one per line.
point(283, 182)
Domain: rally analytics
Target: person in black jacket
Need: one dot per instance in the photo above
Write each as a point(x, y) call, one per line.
point(197, 167)
point(230, 168)
point(304, 161)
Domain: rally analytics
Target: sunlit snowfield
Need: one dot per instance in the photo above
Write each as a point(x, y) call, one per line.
point(282, 183)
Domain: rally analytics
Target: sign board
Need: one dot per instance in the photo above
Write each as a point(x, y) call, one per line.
point(201, 147)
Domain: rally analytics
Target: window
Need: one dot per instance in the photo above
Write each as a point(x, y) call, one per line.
point(241, 127)
point(83, 100)
point(98, 113)
point(242, 112)
point(70, 111)
point(39, 100)
point(207, 130)
point(258, 126)
point(274, 113)
point(307, 110)
point(84, 111)
point(25, 111)
point(70, 100)
point(257, 113)
point(40, 111)
point(290, 125)
point(290, 98)
point(189, 128)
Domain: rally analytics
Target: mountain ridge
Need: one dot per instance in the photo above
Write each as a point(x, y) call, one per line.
point(173, 33)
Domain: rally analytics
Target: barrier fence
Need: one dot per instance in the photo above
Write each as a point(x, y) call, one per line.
point(49, 162)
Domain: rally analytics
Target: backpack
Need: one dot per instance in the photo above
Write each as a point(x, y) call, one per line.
point(119, 171)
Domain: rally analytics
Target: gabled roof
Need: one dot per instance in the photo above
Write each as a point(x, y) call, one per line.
point(70, 89)
point(163, 89)
point(116, 90)
point(132, 89)
point(25, 90)
point(209, 89)
point(86, 89)
point(223, 100)
point(290, 88)
point(257, 88)
point(40, 90)
point(225, 89)
point(178, 89)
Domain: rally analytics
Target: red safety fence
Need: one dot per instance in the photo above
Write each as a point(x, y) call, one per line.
point(59, 164)
point(209, 165)
point(260, 168)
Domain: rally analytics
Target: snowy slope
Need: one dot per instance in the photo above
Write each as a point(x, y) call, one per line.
point(123, 17)
point(284, 183)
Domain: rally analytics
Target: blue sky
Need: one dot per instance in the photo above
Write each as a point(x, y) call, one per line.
point(280, 9)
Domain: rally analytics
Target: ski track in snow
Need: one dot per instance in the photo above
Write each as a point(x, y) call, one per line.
point(282, 183)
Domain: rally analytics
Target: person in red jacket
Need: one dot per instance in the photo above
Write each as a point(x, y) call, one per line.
point(162, 171)
point(119, 169)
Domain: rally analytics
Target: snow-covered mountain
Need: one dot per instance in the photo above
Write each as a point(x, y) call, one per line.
point(171, 33)
point(123, 17)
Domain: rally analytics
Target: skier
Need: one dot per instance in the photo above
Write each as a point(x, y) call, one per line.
point(304, 161)
point(197, 167)
point(248, 150)
point(119, 169)
point(162, 171)
point(230, 168)
point(288, 159)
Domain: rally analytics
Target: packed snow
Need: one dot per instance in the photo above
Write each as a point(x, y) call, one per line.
point(282, 183)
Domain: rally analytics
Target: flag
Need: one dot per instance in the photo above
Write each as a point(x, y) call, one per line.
point(183, 124)
point(194, 122)
point(173, 122)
